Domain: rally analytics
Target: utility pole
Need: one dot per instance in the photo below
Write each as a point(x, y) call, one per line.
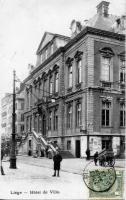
point(13, 142)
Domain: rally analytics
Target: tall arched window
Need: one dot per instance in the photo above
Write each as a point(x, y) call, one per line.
point(78, 58)
point(122, 114)
point(56, 81)
point(78, 114)
point(69, 62)
point(79, 68)
point(50, 85)
point(55, 119)
point(50, 121)
point(70, 76)
point(122, 72)
point(69, 116)
point(106, 64)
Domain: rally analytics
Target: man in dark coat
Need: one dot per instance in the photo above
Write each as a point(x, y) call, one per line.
point(57, 159)
point(96, 157)
point(2, 155)
point(88, 154)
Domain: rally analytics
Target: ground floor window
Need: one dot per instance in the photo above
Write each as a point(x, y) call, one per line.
point(122, 114)
point(68, 145)
point(106, 106)
point(106, 143)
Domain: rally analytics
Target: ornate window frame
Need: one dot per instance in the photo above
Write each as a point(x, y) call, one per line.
point(106, 53)
point(122, 70)
point(78, 122)
point(69, 115)
point(108, 102)
point(56, 71)
point(69, 63)
point(50, 120)
point(55, 119)
point(50, 84)
point(78, 58)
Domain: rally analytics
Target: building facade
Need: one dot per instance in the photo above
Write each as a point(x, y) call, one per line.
point(6, 115)
point(75, 96)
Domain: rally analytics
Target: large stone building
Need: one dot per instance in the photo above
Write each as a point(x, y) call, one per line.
point(75, 96)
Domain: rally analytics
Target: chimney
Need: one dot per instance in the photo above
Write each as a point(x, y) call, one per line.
point(30, 68)
point(123, 22)
point(102, 8)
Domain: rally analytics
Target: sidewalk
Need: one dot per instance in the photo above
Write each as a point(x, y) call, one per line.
point(74, 165)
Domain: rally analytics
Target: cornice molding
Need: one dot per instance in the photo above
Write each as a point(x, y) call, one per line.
point(85, 31)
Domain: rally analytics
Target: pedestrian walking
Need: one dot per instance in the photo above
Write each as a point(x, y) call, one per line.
point(96, 157)
point(2, 155)
point(57, 160)
point(88, 154)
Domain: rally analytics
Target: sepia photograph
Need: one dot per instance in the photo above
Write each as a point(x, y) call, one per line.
point(62, 99)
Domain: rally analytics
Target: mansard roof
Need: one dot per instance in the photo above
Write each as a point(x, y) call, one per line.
point(102, 23)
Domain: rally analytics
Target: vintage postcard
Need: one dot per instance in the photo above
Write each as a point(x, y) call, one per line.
point(62, 99)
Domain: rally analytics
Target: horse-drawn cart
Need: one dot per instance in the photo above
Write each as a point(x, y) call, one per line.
point(106, 158)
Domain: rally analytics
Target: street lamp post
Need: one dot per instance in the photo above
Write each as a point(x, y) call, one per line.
point(13, 142)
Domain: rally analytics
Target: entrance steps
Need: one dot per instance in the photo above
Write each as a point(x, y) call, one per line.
point(66, 154)
point(40, 140)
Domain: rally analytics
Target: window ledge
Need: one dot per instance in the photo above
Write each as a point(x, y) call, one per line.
point(122, 127)
point(106, 126)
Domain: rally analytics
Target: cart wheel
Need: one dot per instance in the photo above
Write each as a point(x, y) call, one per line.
point(106, 163)
point(112, 162)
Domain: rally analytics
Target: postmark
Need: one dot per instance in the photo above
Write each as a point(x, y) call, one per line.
point(116, 191)
point(99, 179)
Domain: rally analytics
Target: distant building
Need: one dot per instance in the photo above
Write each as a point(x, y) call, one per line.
point(85, 75)
point(6, 115)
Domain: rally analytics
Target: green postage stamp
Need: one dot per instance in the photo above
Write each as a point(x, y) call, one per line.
point(114, 192)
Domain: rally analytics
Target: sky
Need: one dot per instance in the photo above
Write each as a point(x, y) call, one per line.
point(23, 23)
